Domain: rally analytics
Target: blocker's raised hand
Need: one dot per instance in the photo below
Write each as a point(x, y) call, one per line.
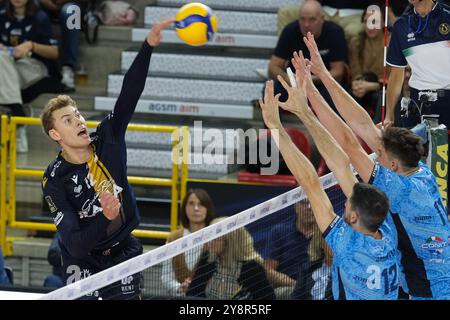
point(269, 107)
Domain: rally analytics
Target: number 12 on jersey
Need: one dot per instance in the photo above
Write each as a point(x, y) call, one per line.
point(377, 275)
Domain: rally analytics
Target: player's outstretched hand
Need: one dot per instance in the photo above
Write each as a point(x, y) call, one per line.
point(110, 205)
point(316, 62)
point(297, 102)
point(302, 70)
point(154, 36)
point(269, 107)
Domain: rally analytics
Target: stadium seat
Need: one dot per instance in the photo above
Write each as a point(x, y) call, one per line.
point(301, 141)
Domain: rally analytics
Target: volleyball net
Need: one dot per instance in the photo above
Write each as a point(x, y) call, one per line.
point(273, 250)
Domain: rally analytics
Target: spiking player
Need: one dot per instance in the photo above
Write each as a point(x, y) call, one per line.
point(86, 186)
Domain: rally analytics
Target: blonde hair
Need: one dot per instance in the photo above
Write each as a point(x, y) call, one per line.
point(238, 246)
point(54, 104)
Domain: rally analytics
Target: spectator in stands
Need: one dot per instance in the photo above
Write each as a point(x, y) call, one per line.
point(230, 268)
point(420, 31)
point(312, 282)
point(363, 244)
point(55, 280)
point(331, 41)
point(346, 13)
point(27, 55)
point(62, 10)
point(196, 212)
point(288, 245)
point(366, 54)
point(3, 277)
point(86, 186)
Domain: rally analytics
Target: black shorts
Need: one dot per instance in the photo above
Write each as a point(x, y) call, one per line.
point(440, 107)
point(128, 288)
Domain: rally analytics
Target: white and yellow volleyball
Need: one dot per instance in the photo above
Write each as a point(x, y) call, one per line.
point(195, 24)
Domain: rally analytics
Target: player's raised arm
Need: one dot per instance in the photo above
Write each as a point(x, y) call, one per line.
point(134, 80)
point(330, 150)
point(299, 165)
point(355, 116)
point(338, 129)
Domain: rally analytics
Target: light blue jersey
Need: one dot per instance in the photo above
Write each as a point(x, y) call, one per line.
point(364, 268)
point(423, 230)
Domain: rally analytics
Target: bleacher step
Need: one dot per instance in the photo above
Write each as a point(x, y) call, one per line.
point(245, 22)
point(201, 66)
point(219, 39)
point(250, 5)
point(202, 91)
point(161, 159)
point(181, 108)
point(197, 140)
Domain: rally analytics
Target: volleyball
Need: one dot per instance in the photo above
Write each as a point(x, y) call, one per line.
point(195, 24)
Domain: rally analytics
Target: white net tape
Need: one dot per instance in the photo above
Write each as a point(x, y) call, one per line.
point(99, 280)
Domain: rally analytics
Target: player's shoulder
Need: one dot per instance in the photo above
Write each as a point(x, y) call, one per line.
point(332, 28)
point(337, 228)
point(388, 230)
point(445, 8)
point(54, 171)
point(402, 22)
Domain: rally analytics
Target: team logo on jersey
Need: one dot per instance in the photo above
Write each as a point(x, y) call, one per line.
point(44, 182)
point(411, 36)
point(96, 209)
point(435, 245)
point(86, 209)
point(444, 28)
point(56, 166)
point(50, 203)
point(77, 190)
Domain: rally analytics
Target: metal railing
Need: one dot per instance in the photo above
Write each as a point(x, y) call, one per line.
point(8, 213)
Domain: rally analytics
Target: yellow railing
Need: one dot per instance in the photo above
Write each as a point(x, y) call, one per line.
point(8, 206)
point(3, 176)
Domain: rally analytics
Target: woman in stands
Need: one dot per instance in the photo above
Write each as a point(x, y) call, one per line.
point(230, 268)
point(27, 58)
point(196, 212)
point(366, 64)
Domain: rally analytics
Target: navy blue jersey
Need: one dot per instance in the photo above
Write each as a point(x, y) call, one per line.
point(288, 247)
point(423, 229)
point(37, 28)
point(364, 268)
point(348, 4)
point(424, 44)
point(72, 190)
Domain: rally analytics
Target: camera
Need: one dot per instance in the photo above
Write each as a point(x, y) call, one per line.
point(427, 96)
point(409, 108)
